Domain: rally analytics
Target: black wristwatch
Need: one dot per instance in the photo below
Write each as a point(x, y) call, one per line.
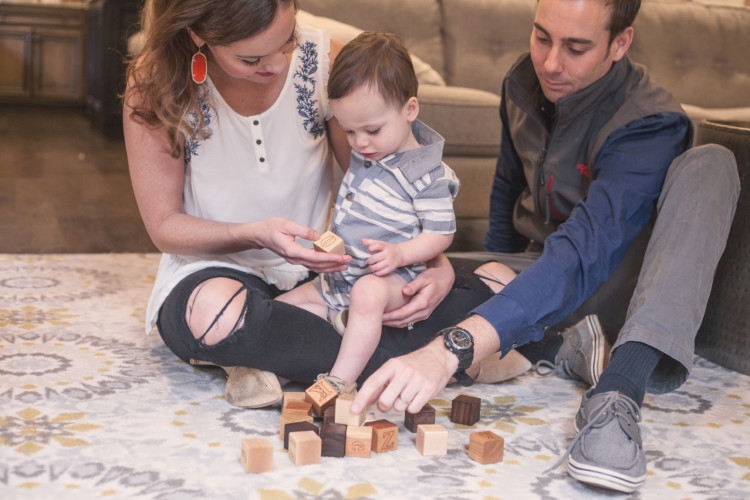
point(461, 343)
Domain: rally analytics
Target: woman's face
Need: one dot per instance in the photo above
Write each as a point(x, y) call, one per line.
point(263, 57)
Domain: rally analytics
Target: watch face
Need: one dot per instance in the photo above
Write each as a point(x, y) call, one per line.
point(461, 339)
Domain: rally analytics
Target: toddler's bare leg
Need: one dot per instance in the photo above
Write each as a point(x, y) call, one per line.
point(371, 296)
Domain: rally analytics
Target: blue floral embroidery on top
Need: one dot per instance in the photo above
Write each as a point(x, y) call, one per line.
point(191, 145)
point(312, 121)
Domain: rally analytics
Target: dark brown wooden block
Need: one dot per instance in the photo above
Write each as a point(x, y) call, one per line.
point(334, 439)
point(329, 415)
point(425, 416)
point(465, 409)
point(297, 427)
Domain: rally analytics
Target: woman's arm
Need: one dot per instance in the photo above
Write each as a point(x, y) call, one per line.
point(158, 182)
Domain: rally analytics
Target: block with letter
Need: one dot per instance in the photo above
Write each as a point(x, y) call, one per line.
point(425, 416)
point(304, 448)
point(358, 441)
point(330, 243)
point(322, 395)
point(432, 439)
point(384, 435)
point(465, 409)
point(257, 455)
point(486, 447)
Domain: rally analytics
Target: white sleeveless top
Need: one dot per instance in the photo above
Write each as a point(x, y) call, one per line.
point(276, 163)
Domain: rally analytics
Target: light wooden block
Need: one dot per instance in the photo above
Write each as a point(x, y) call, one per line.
point(256, 455)
point(465, 409)
point(304, 448)
point(432, 440)
point(287, 418)
point(333, 437)
point(486, 447)
point(298, 427)
point(425, 416)
point(344, 413)
point(322, 395)
point(358, 441)
point(330, 243)
point(292, 396)
point(384, 435)
point(297, 408)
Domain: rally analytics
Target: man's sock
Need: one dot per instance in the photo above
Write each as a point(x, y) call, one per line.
point(628, 371)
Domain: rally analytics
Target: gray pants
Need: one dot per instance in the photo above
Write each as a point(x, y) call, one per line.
point(694, 215)
point(658, 293)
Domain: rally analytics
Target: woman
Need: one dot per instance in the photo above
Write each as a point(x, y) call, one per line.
point(228, 136)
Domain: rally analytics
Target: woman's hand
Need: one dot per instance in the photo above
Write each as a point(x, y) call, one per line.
point(426, 291)
point(278, 235)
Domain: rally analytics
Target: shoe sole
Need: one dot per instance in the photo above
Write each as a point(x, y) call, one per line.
point(598, 354)
point(606, 478)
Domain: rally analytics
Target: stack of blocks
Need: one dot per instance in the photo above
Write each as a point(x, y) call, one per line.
point(343, 433)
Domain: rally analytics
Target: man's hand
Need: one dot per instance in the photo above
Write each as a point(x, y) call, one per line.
point(410, 381)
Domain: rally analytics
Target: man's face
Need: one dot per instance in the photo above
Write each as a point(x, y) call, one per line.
point(570, 46)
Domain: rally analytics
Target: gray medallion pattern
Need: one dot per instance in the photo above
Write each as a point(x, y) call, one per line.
point(90, 407)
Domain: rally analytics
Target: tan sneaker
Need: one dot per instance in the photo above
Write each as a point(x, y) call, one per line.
point(248, 387)
point(338, 383)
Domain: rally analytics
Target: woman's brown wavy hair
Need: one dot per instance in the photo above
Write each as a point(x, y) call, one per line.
point(161, 91)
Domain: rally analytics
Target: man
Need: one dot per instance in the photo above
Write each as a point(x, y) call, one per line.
point(591, 157)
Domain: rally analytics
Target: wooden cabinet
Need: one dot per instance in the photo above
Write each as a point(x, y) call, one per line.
point(42, 53)
point(110, 23)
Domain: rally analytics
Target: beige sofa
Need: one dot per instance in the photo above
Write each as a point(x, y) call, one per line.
point(697, 51)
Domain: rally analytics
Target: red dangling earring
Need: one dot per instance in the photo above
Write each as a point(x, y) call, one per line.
point(199, 67)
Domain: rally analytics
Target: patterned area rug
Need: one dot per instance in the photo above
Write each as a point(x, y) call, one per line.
point(90, 408)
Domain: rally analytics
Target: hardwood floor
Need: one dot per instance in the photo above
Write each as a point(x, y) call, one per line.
point(64, 188)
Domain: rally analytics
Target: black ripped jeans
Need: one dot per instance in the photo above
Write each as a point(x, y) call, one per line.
point(293, 343)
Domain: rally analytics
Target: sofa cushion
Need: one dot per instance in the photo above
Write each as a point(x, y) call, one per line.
point(696, 51)
point(422, 37)
point(345, 32)
point(474, 111)
point(483, 38)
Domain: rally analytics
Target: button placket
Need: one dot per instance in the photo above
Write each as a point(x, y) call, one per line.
point(259, 146)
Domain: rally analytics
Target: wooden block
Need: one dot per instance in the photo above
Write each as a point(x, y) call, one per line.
point(432, 439)
point(292, 396)
point(465, 410)
point(297, 408)
point(321, 394)
point(384, 435)
point(256, 455)
point(298, 427)
point(333, 437)
point(344, 414)
point(425, 416)
point(358, 441)
point(329, 415)
point(486, 447)
point(330, 243)
point(287, 418)
point(304, 448)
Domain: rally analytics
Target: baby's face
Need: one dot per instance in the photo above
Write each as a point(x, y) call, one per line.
point(374, 129)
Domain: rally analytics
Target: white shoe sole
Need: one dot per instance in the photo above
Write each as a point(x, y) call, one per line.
point(605, 478)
